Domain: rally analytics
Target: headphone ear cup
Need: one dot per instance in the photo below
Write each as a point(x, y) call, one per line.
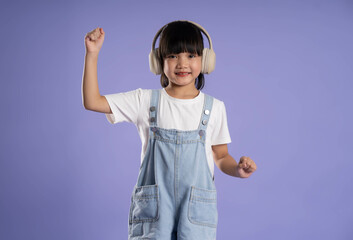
point(155, 67)
point(208, 60)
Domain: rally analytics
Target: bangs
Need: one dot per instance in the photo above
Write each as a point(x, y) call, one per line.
point(180, 37)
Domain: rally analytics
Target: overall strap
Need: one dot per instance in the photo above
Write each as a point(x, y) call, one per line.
point(154, 107)
point(205, 115)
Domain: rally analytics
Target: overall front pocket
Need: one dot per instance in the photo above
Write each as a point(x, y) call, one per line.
point(203, 207)
point(144, 204)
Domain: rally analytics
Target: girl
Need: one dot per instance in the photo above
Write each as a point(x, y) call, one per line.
point(183, 132)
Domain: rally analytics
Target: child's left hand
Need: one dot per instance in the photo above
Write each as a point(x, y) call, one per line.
point(245, 167)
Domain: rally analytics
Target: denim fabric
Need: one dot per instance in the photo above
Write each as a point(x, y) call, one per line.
point(175, 195)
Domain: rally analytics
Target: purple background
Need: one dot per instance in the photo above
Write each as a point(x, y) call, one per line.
point(284, 70)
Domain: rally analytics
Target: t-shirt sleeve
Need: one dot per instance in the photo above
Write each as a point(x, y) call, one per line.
point(125, 106)
point(220, 133)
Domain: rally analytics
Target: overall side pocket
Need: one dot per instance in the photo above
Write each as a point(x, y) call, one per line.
point(203, 207)
point(144, 204)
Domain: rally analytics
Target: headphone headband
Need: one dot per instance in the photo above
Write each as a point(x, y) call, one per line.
point(196, 24)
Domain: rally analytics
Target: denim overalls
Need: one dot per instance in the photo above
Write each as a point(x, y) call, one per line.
point(175, 196)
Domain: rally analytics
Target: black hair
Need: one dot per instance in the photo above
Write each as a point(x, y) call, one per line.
point(177, 37)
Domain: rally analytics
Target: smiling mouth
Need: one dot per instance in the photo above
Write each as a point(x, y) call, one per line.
point(182, 74)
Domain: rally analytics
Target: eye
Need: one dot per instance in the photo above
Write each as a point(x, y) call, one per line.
point(171, 56)
point(192, 55)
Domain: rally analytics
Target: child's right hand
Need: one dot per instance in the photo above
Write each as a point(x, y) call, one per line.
point(94, 40)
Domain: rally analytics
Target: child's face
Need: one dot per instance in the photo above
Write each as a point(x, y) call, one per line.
point(182, 68)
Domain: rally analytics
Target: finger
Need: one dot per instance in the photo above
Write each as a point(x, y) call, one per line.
point(249, 170)
point(89, 35)
point(87, 38)
point(93, 34)
point(98, 34)
point(243, 165)
point(252, 167)
point(244, 162)
point(244, 159)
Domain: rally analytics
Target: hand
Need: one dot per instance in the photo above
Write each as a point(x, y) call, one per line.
point(94, 40)
point(245, 167)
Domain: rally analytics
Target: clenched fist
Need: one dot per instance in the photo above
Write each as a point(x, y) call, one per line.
point(94, 40)
point(245, 167)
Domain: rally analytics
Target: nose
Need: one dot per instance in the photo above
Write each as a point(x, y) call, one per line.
point(182, 61)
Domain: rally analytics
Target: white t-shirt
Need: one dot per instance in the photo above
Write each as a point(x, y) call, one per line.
point(174, 113)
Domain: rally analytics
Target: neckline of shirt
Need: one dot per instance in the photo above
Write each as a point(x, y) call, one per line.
point(192, 100)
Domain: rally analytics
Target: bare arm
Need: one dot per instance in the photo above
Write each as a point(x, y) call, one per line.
point(223, 160)
point(226, 163)
point(91, 98)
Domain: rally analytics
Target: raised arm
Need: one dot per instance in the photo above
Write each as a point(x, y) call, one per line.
point(91, 98)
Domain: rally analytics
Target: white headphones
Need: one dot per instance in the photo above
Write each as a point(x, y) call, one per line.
point(208, 55)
